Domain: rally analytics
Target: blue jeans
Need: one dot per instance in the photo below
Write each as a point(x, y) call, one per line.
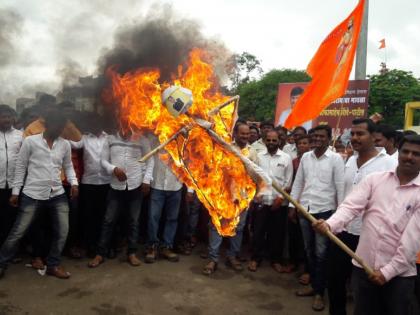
point(118, 201)
point(316, 250)
point(160, 200)
point(235, 242)
point(59, 212)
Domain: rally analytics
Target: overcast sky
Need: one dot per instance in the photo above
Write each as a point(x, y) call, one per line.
point(40, 38)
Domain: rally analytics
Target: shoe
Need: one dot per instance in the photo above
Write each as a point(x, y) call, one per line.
point(151, 255)
point(58, 272)
point(2, 272)
point(253, 266)
point(37, 263)
point(210, 268)
point(318, 304)
point(234, 263)
point(305, 292)
point(95, 262)
point(167, 253)
point(112, 253)
point(133, 260)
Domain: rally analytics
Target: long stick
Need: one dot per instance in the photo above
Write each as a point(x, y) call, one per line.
point(163, 144)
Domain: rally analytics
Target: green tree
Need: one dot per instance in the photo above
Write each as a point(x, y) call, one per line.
point(389, 91)
point(258, 97)
point(243, 68)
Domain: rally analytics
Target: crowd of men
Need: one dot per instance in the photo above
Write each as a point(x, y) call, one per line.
point(71, 184)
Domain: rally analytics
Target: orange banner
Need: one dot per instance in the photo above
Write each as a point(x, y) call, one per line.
point(330, 69)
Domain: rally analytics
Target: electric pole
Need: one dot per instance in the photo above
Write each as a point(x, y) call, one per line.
point(361, 53)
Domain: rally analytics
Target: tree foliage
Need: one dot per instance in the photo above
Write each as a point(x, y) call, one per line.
point(243, 68)
point(389, 91)
point(258, 97)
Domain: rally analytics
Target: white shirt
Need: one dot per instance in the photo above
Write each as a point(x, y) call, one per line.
point(353, 175)
point(280, 169)
point(93, 172)
point(163, 177)
point(395, 156)
point(259, 146)
point(42, 167)
point(291, 149)
point(10, 143)
point(319, 183)
point(125, 154)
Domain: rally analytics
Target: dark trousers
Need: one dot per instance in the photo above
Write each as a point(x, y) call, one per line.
point(416, 302)
point(269, 228)
point(393, 298)
point(129, 202)
point(74, 237)
point(339, 272)
point(316, 250)
point(296, 248)
point(92, 205)
point(7, 214)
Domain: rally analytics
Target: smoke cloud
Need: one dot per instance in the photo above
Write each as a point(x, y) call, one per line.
point(159, 40)
point(10, 27)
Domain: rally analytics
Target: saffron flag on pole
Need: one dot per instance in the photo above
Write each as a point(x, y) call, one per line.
point(383, 45)
point(330, 69)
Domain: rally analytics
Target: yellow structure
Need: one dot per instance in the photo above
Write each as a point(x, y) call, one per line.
point(409, 116)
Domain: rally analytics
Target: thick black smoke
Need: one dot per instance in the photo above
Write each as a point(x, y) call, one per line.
point(160, 40)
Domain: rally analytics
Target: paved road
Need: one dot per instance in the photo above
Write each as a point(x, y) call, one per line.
point(162, 288)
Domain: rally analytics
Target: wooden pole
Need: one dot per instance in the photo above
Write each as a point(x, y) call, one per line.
point(163, 144)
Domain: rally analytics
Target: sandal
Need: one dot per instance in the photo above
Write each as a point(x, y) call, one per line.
point(210, 268)
point(305, 279)
point(253, 266)
point(95, 262)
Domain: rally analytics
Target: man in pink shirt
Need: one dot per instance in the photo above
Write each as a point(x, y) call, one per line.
point(389, 240)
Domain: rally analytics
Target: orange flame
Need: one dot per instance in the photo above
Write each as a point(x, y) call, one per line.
point(219, 178)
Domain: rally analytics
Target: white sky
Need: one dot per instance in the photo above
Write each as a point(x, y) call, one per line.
point(282, 34)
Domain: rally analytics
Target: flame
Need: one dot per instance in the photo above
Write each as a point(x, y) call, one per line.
point(219, 178)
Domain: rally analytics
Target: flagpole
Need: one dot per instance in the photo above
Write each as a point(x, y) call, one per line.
point(361, 54)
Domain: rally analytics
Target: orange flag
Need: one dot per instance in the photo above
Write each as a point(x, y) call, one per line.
point(330, 69)
point(383, 45)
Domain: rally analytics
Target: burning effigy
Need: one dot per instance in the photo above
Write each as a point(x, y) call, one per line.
point(196, 136)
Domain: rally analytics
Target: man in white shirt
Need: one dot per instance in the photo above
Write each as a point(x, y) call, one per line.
point(270, 213)
point(366, 160)
point(10, 142)
point(290, 148)
point(38, 169)
point(130, 182)
point(386, 137)
point(165, 195)
point(319, 187)
point(94, 184)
